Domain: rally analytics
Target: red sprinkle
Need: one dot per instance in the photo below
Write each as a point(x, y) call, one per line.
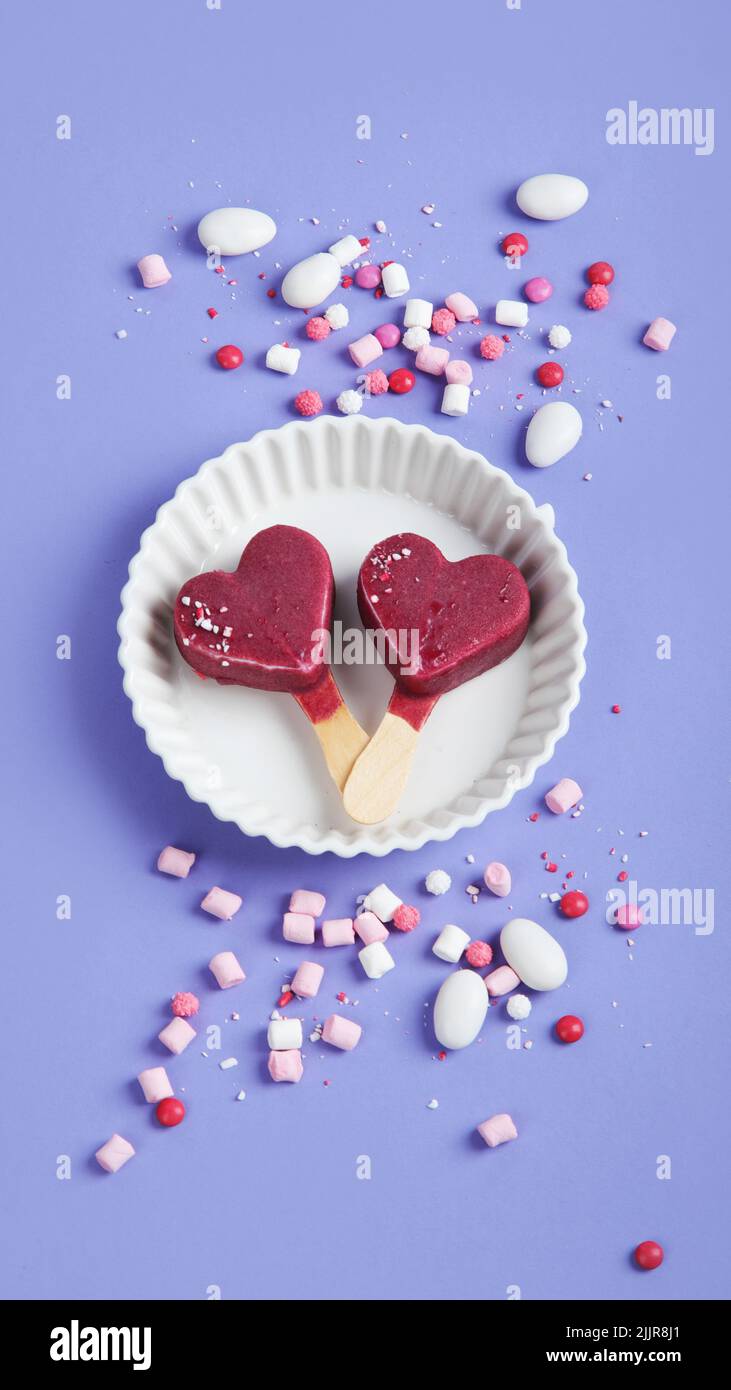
point(341, 998)
point(551, 868)
point(364, 240)
point(170, 1111)
point(285, 998)
point(623, 876)
point(229, 357)
point(212, 313)
point(271, 294)
point(534, 816)
point(346, 282)
point(442, 1056)
point(616, 709)
point(569, 1028)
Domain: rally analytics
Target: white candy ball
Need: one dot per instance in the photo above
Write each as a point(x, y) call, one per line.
point(337, 316)
point(519, 1006)
point(349, 402)
point(437, 882)
point(415, 338)
point(558, 336)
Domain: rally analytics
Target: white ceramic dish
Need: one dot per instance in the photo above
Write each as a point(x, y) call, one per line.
point(251, 755)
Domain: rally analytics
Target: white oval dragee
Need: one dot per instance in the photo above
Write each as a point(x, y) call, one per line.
point(552, 433)
point(549, 197)
point(533, 954)
point(234, 231)
point(460, 1008)
point(310, 281)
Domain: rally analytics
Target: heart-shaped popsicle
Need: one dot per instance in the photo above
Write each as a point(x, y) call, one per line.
point(441, 624)
point(262, 625)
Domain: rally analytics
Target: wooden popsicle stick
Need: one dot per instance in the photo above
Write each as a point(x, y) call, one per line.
point(341, 738)
point(376, 784)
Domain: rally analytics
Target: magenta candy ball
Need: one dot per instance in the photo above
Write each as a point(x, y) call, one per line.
point(388, 335)
point(368, 276)
point(538, 289)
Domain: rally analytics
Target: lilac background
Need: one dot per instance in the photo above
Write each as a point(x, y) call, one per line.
point(261, 1198)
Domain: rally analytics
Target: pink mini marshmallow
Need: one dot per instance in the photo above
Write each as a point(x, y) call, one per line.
point(175, 861)
point(221, 904)
point(154, 271)
point(365, 350)
point(463, 308)
point(629, 916)
point(502, 980)
point(114, 1154)
point(307, 979)
point(458, 373)
point(155, 1084)
point(338, 932)
point(563, 796)
point(341, 1032)
point(432, 360)
point(660, 335)
point(176, 1035)
point(497, 1130)
point(226, 970)
point(286, 1065)
point(370, 928)
point(298, 927)
point(497, 879)
point(311, 904)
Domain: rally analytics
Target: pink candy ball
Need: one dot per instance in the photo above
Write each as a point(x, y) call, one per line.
point(596, 297)
point(368, 276)
point(317, 329)
point(308, 403)
point(184, 1004)
point(443, 321)
point(478, 953)
point(388, 335)
point(492, 347)
point(538, 289)
point(376, 382)
point(629, 916)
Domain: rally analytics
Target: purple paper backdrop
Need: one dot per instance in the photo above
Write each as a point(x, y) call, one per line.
point(176, 109)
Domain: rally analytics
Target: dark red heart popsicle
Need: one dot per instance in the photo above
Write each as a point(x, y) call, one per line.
point(463, 618)
point(262, 626)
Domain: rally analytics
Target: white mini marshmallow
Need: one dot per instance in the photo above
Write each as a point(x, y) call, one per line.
point(450, 943)
point(418, 313)
point(456, 399)
point(395, 280)
point(283, 359)
point(347, 249)
point(284, 1033)
point(512, 313)
point(337, 316)
point(382, 901)
point(415, 338)
point(376, 960)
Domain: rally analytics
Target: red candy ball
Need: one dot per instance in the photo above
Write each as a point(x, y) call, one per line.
point(569, 1029)
point(649, 1254)
point(401, 381)
point(170, 1111)
point(574, 904)
point(229, 357)
point(550, 374)
point(515, 244)
point(600, 273)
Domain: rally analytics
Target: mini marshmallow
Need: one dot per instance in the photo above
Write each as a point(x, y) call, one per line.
point(382, 901)
point(458, 373)
point(154, 272)
point(498, 879)
point(432, 359)
point(298, 927)
point(463, 308)
point(283, 359)
point(347, 249)
point(175, 861)
point(226, 970)
point(365, 350)
point(284, 1034)
point(176, 1035)
point(155, 1084)
point(307, 980)
point(341, 1032)
point(337, 316)
point(114, 1154)
point(338, 931)
point(518, 1007)
point(395, 280)
point(563, 796)
point(513, 313)
point(221, 904)
point(304, 900)
point(415, 338)
point(286, 1066)
point(660, 335)
point(417, 313)
point(376, 960)
point(501, 981)
point(370, 928)
point(450, 943)
point(455, 399)
point(497, 1130)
